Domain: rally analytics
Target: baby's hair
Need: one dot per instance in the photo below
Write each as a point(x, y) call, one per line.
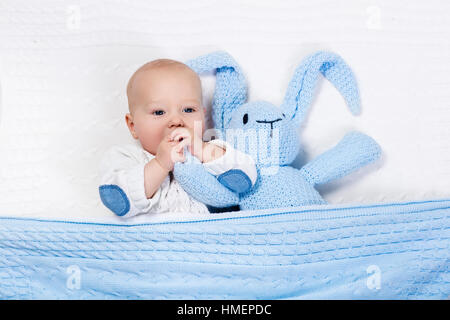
point(155, 64)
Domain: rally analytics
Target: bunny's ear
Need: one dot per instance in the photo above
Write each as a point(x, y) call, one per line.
point(231, 89)
point(301, 89)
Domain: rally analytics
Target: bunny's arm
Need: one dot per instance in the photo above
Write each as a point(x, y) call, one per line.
point(202, 185)
point(354, 151)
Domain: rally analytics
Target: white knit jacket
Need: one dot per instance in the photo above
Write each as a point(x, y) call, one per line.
point(124, 166)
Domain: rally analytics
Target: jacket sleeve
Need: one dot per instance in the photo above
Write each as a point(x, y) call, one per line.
point(232, 160)
point(122, 188)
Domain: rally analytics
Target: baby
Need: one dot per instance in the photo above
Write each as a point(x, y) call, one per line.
point(167, 116)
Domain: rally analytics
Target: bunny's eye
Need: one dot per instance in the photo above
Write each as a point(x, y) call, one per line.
point(245, 118)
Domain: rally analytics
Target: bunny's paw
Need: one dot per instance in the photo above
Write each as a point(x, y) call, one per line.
point(235, 180)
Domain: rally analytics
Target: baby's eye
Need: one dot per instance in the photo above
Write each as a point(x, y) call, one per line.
point(158, 112)
point(188, 109)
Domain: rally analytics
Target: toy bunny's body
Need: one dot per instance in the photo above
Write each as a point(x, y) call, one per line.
point(286, 186)
point(294, 188)
point(270, 135)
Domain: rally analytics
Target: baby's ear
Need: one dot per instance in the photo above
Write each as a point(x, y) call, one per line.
point(130, 125)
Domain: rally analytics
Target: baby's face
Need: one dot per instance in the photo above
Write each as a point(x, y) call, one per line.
point(161, 100)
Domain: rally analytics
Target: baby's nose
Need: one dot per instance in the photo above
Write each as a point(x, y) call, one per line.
point(176, 122)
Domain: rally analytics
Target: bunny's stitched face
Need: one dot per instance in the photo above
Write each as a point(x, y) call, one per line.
point(266, 133)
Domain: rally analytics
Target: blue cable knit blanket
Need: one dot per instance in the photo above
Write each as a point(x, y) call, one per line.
point(383, 251)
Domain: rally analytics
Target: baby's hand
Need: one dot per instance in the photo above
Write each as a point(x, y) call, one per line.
point(170, 151)
point(194, 142)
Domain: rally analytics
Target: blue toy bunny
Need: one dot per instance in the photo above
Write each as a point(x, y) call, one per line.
point(270, 135)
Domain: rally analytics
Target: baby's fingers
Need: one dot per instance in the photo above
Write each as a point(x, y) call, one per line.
point(179, 157)
point(179, 137)
point(179, 133)
point(180, 150)
point(180, 146)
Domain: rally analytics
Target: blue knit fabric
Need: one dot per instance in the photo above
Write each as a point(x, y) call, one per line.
point(382, 251)
point(270, 135)
point(197, 181)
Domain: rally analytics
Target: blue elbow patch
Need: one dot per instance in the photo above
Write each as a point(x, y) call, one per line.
point(114, 199)
point(235, 180)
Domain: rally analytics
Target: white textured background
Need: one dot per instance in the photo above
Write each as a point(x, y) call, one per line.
point(64, 66)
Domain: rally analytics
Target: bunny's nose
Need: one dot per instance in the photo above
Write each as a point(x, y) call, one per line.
point(268, 121)
point(271, 123)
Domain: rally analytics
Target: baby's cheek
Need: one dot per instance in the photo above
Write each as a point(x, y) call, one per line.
point(151, 139)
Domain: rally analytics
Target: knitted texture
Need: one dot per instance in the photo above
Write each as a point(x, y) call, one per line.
point(212, 192)
point(383, 251)
point(270, 134)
